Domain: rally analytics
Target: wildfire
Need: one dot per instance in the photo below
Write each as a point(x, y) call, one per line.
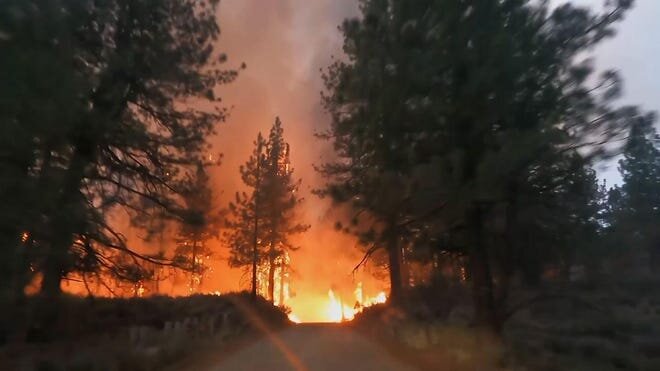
point(339, 309)
point(139, 289)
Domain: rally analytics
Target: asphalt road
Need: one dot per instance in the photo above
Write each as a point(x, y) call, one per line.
point(312, 347)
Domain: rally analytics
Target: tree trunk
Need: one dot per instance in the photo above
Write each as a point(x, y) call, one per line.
point(282, 267)
point(271, 275)
point(55, 264)
point(405, 270)
point(52, 277)
point(255, 251)
point(66, 213)
point(68, 221)
point(193, 266)
point(255, 237)
point(506, 257)
point(395, 261)
point(66, 216)
point(485, 313)
point(253, 288)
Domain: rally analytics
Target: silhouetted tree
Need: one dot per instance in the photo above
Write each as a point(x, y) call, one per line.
point(200, 225)
point(636, 203)
point(113, 128)
point(444, 111)
point(280, 204)
point(245, 226)
point(263, 220)
point(40, 98)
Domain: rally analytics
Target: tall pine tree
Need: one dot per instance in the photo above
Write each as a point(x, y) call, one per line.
point(245, 225)
point(263, 220)
point(115, 130)
point(637, 201)
point(280, 203)
point(197, 228)
point(443, 111)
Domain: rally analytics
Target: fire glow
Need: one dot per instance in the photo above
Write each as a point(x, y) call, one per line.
point(337, 309)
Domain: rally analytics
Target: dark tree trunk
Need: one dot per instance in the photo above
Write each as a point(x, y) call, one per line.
point(194, 267)
point(271, 275)
point(53, 272)
point(67, 214)
point(395, 262)
point(55, 265)
point(255, 236)
point(253, 287)
point(282, 267)
point(70, 221)
point(255, 258)
point(507, 256)
point(67, 218)
point(485, 312)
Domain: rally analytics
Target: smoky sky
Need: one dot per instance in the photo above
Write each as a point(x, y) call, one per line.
point(634, 53)
point(284, 43)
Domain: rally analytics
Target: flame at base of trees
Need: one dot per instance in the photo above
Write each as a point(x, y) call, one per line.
point(339, 309)
point(282, 278)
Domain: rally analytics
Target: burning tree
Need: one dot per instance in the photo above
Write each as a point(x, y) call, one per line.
point(200, 226)
point(262, 221)
point(244, 234)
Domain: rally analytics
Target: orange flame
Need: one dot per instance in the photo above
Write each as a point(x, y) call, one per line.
point(336, 309)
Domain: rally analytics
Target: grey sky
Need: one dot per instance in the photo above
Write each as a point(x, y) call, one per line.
point(634, 52)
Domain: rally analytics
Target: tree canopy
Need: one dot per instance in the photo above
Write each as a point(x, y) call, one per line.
point(447, 115)
point(98, 99)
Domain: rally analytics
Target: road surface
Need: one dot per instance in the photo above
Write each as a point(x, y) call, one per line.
point(314, 348)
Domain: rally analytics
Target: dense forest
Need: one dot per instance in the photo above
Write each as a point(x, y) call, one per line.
point(471, 130)
point(465, 140)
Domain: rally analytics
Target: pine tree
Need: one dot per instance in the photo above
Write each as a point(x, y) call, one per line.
point(114, 132)
point(444, 109)
point(280, 204)
point(637, 201)
point(198, 227)
point(40, 94)
point(245, 235)
point(263, 220)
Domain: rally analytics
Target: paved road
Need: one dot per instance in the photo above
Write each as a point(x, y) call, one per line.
point(313, 348)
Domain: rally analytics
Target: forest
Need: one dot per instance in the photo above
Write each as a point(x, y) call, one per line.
point(442, 207)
